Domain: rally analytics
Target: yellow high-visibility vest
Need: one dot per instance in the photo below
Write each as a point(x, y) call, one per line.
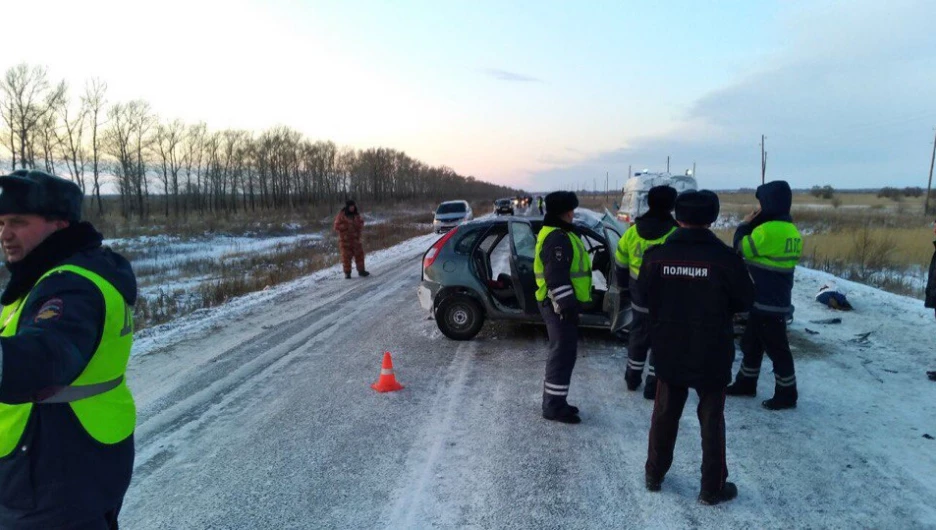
point(580, 272)
point(99, 396)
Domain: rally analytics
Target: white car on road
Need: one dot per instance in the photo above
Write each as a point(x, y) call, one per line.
point(450, 214)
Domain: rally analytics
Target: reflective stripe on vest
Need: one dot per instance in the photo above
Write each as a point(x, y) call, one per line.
point(774, 246)
point(631, 248)
point(99, 396)
point(580, 271)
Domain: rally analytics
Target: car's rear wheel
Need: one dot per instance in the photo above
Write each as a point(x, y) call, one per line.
point(459, 317)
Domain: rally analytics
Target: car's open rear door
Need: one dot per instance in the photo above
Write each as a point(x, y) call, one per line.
point(522, 251)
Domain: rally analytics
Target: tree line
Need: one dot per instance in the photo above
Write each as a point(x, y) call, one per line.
point(179, 168)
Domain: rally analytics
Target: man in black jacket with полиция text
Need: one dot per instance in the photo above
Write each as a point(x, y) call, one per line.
point(693, 285)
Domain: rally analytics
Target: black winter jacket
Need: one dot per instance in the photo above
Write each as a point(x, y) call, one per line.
point(58, 474)
point(693, 285)
point(931, 283)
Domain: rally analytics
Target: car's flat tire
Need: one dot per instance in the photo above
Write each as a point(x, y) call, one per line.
point(459, 317)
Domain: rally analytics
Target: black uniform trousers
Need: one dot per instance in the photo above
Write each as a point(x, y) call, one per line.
point(638, 343)
point(563, 347)
point(767, 333)
point(667, 409)
point(107, 522)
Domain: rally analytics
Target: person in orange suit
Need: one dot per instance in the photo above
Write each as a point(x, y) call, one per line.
point(349, 224)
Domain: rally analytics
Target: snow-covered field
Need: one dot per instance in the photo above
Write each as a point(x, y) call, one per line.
point(258, 414)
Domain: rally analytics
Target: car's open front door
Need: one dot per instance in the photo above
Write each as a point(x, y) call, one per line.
point(522, 251)
point(619, 310)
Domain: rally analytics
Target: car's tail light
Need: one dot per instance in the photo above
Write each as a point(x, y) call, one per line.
point(623, 217)
point(434, 251)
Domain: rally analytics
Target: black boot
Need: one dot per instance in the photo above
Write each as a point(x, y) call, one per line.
point(931, 375)
point(556, 408)
point(347, 275)
point(743, 386)
point(784, 398)
point(653, 483)
point(363, 274)
point(563, 415)
point(632, 378)
point(711, 498)
point(650, 388)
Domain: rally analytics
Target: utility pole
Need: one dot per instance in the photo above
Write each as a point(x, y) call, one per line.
point(606, 186)
point(929, 186)
point(629, 174)
point(763, 160)
point(693, 170)
point(667, 164)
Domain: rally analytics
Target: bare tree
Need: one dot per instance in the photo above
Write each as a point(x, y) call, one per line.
point(168, 146)
point(194, 152)
point(9, 135)
point(29, 98)
point(47, 138)
point(141, 120)
point(70, 138)
point(118, 136)
point(93, 105)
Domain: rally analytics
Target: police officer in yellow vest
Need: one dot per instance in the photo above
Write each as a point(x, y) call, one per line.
point(649, 230)
point(562, 269)
point(771, 246)
point(66, 414)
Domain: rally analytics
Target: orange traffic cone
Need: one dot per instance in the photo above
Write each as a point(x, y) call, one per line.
point(387, 381)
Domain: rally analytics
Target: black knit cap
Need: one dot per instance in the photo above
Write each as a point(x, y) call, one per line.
point(560, 202)
point(662, 198)
point(39, 193)
point(698, 208)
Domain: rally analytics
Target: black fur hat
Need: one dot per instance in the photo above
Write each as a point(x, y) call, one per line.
point(698, 208)
point(662, 198)
point(39, 193)
point(560, 202)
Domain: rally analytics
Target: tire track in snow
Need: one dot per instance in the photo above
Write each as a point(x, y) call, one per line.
point(411, 491)
point(168, 422)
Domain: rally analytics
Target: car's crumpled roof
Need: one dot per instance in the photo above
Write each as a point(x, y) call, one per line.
point(594, 220)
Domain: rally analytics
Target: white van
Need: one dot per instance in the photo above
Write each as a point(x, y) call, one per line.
point(634, 201)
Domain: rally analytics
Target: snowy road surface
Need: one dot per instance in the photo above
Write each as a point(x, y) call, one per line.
point(260, 416)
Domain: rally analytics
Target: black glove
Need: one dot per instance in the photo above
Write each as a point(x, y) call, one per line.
point(568, 314)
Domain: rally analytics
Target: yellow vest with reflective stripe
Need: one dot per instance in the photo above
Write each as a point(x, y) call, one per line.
point(774, 245)
point(109, 417)
point(580, 271)
point(631, 249)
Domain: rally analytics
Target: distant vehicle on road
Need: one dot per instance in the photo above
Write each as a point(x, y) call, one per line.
point(484, 270)
point(450, 214)
point(503, 206)
point(634, 202)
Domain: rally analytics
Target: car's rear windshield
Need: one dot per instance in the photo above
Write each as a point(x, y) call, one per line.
point(451, 207)
point(502, 202)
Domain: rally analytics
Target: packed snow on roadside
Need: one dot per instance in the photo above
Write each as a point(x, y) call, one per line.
point(172, 251)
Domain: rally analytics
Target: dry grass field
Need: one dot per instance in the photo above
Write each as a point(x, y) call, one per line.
point(855, 235)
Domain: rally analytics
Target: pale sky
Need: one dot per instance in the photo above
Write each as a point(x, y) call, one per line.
point(540, 94)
